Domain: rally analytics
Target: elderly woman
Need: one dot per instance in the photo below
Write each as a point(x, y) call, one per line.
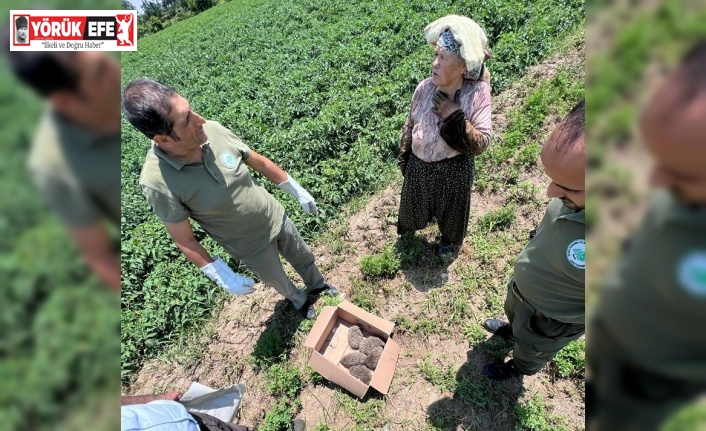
point(448, 125)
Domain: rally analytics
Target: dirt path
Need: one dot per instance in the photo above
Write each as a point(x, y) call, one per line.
point(221, 356)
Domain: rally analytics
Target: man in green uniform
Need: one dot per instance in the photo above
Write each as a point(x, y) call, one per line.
point(545, 299)
point(198, 169)
point(75, 156)
point(646, 345)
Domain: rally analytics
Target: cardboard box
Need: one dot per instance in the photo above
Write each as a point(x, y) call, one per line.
point(329, 341)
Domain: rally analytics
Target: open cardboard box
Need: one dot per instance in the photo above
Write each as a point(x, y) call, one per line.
point(329, 341)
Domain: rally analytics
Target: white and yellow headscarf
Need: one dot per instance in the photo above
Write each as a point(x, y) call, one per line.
point(463, 36)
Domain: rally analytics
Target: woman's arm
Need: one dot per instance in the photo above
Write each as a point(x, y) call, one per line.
point(461, 135)
point(405, 144)
point(470, 136)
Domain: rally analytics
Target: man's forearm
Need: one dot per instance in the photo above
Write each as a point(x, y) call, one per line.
point(107, 267)
point(266, 167)
point(194, 251)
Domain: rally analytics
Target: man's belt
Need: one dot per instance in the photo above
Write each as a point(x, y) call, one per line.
point(522, 299)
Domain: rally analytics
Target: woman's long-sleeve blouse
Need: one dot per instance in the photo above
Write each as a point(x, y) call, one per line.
point(465, 131)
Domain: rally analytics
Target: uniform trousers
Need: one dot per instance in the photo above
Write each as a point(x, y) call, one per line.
point(623, 395)
point(268, 267)
point(537, 337)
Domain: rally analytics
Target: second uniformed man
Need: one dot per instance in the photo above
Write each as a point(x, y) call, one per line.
point(545, 300)
point(198, 169)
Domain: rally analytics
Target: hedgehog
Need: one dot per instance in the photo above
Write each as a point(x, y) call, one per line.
point(373, 357)
point(361, 372)
point(368, 344)
point(355, 337)
point(355, 358)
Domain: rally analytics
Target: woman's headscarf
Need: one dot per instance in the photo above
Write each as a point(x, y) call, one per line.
point(462, 36)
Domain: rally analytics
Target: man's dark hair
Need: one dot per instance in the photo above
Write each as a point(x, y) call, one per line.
point(45, 72)
point(692, 69)
point(571, 128)
point(147, 104)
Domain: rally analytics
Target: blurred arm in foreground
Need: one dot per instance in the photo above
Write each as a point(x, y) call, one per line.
point(164, 413)
point(646, 347)
point(75, 156)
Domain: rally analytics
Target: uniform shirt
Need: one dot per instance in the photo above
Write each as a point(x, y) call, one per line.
point(550, 271)
point(424, 125)
point(158, 415)
point(654, 301)
point(77, 172)
point(219, 193)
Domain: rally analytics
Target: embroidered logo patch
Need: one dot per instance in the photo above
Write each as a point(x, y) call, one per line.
point(576, 253)
point(228, 159)
point(692, 273)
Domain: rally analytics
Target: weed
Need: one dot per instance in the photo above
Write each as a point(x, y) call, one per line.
point(474, 333)
point(363, 295)
point(283, 379)
point(328, 301)
point(410, 249)
point(571, 360)
point(403, 323)
point(479, 391)
point(498, 219)
point(384, 264)
point(444, 379)
point(533, 416)
point(280, 416)
point(269, 348)
point(426, 327)
point(522, 193)
point(494, 303)
point(314, 377)
point(496, 348)
point(528, 155)
point(367, 414)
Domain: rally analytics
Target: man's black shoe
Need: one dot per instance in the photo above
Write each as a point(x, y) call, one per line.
point(326, 289)
point(307, 311)
point(501, 371)
point(498, 327)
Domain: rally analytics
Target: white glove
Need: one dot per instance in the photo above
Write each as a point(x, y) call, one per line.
point(223, 276)
point(292, 187)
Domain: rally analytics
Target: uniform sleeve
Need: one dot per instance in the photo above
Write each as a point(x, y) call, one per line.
point(69, 201)
point(167, 208)
point(470, 134)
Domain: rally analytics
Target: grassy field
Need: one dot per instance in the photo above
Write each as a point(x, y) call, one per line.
point(437, 304)
point(325, 95)
point(59, 325)
point(633, 49)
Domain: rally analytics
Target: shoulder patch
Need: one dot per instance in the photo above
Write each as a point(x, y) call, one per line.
point(228, 159)
point(692, 273)
point(576, 253)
